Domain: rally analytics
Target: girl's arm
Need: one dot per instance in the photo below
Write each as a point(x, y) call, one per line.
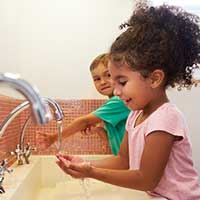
point(121, 161)
point(153, 162)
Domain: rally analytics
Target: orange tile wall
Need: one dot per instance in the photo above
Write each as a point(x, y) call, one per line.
point(75, 144)
point(11, 135)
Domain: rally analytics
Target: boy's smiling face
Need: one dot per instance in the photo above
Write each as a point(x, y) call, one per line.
point(102, 80)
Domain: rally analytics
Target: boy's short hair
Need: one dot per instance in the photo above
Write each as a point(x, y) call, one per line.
point(103, 58)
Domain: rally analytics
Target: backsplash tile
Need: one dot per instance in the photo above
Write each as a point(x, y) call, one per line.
point(75, 144)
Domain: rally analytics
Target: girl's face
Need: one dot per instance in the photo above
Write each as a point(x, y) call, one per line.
point(131, 86)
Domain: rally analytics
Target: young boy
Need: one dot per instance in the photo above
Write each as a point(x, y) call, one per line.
point(113, 113)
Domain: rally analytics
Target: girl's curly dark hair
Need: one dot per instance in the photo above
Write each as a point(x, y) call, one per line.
point(164, 37)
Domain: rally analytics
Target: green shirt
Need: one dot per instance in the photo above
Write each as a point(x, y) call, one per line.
point(114, 114)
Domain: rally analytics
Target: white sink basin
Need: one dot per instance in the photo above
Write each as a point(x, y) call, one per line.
point(42, 179)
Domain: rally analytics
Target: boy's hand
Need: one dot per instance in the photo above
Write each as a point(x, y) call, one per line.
point(44, 140)
point(87, 131)
point(96, 129)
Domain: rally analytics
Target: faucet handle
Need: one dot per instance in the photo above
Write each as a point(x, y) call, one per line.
point(2, 190)
point(3, 168)
point(28, 147)
point(19, 153)
point(27, 152)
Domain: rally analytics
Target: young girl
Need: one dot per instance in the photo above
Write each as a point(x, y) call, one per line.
point(159, 48)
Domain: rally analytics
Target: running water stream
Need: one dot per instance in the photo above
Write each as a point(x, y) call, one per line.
point(85, 185)
point(60, 129)
point(83, 182)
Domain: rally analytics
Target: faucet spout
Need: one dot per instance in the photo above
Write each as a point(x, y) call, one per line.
point(58, 115)
point(40, 109)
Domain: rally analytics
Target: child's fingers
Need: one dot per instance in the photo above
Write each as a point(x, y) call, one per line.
point(60, 165)
point(65, 162)
point(85, 131)
point(67, 157)
point(63, 167)
point(75, 167)
point(82, 167)
point(69, 171)
point(88, 131)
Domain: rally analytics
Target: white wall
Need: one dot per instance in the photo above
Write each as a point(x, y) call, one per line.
point(52, 42)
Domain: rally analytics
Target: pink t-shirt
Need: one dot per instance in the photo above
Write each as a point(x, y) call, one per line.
point(180, 179)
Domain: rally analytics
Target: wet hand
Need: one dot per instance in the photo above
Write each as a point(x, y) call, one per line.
point(71, 158)
point(74, 166)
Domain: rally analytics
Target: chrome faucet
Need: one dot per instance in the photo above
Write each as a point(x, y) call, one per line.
point(40, 109)
point(58, 115)
point(25, 151)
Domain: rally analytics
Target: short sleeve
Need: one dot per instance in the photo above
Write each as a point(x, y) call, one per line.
point(112, 111)
point(168, 119)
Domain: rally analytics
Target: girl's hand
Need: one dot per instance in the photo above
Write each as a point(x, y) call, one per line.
point(74, 166)
point(71, 158)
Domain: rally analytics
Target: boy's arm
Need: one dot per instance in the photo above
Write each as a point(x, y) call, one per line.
point(80, 124)
point(76, 125)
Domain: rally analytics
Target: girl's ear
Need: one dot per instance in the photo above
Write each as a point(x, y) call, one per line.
point(157, 78)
